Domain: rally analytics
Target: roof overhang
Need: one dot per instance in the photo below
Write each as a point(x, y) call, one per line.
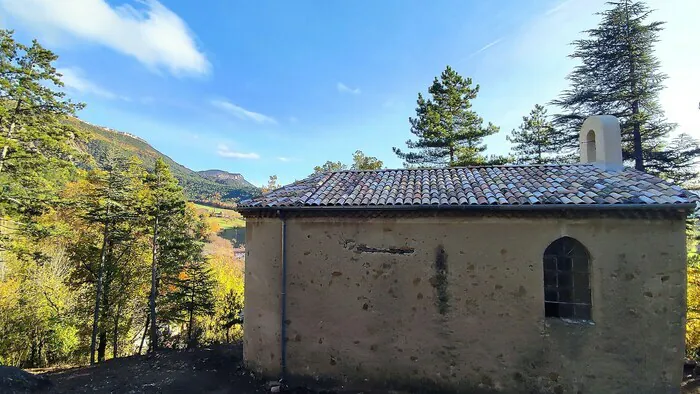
point(684, 209)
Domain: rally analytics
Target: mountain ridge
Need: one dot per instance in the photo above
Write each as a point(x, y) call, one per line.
point(212, 186)
point(225, 178)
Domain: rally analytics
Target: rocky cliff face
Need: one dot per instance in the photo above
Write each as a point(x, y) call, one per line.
point(225, 177)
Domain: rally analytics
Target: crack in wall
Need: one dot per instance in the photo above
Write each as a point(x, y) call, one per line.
point(362, 248)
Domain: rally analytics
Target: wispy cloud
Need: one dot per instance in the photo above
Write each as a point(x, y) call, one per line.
point(343, 88)
point(557, 7)
point(151, 33)
point(284, 159)
point(241, 112)
point(485, 47)
point(73, 78)
point(224, 151)
point(293, 119)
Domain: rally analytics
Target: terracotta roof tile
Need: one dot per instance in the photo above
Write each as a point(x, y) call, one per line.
point(497, 185)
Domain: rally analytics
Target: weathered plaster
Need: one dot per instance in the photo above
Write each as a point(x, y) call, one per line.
point(459, 302)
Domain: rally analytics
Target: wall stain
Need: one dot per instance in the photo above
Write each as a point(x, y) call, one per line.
point(439, 280)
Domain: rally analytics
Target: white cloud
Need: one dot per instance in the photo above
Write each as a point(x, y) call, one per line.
point(224, 151)
point(153, 34)
point(284, 159)
point(343, 88)
point(73, 78)
point(242, 113)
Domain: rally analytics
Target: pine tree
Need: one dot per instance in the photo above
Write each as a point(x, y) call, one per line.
point(164, 209)
point(35, 145)
point(110, 203)
point(448, 131)
point(187, 275)
point(192, 296)
point(619, 75)
point(533, 141)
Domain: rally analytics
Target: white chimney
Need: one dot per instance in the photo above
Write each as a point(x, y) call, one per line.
point(601, 143)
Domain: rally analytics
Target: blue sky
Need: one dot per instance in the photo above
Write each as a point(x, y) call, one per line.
point(272, 87)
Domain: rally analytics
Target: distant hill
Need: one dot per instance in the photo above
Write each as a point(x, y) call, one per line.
point(226, 178)
point(204, 186)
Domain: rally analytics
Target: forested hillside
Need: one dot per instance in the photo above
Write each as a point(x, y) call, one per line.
point(101, 254)
point(198, 186)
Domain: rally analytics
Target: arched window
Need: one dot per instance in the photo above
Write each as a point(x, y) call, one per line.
point(590, 146)
point(567, 290)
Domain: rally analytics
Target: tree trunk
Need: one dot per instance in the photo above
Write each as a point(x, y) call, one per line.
point(102, 347)
point(145, 331)
point(11, 130)
point(98, 293)
point(6, 148)
point(154, 287)
point(638, 154)
point(191, 312)
point(40, 359)
point(33, 351)
point(115, 333)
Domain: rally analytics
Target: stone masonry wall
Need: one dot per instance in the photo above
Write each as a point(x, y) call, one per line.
point(458, 303)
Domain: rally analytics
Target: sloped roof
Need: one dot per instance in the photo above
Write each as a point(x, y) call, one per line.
point(532, 185)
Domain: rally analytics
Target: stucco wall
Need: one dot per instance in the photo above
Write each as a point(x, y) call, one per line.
point(459, 302)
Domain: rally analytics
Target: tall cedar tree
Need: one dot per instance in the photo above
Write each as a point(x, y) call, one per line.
point(534, 141)
point(110, 203)
point(619, 75)
point(35, 146)
point(165, 206)
point(448, 131)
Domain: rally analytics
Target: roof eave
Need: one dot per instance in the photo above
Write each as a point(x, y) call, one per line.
point(689, 207)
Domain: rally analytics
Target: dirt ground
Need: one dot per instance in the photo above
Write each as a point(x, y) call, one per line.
point(691, 386)
point(217, 370)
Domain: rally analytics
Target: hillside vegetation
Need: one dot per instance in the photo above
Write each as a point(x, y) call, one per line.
point(226, 223)
point(198, 186)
